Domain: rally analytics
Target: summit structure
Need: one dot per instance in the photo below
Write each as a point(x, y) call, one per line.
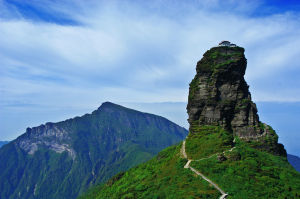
point(227, 43)
point(219, 95)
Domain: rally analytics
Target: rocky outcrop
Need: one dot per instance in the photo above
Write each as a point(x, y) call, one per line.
point(219, 95)
point(49, 136)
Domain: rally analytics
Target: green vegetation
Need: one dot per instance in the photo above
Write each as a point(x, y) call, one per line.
point(225, 52)
point(218, 57)
point(269, 142)
point(214, 62)
point(250, 173)
point(245, 172)
point(225, 63)
point(193, 87)
point(213, 139)
point(243, 104)
point(108, 141)
point(161, 177)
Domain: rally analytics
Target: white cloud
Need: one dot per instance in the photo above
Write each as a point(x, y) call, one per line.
point(141, 53)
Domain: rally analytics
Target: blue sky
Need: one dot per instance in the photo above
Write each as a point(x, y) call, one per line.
point(64, 58)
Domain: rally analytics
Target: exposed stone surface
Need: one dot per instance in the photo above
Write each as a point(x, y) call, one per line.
point(219, 95)
point(50, 136)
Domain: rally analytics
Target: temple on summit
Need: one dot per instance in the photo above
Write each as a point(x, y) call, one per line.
point(226, 43)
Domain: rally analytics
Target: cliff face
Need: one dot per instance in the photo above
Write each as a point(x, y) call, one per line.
point(51, 136)
point(219, 95)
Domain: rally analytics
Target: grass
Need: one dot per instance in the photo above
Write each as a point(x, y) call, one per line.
point(193, 87)
point(255, 174)
point(161, 177)
point(213, 139)
point(245, 172)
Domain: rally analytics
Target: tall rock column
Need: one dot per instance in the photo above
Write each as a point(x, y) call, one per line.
point(219, 95)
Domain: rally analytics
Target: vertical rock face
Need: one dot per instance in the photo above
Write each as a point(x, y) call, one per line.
point(219, 95)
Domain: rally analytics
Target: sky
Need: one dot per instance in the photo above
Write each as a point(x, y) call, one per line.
point(61, 58)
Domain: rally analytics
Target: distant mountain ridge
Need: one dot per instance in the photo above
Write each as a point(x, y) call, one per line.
point(61, 160)
point(3, 143)
point(294, 161)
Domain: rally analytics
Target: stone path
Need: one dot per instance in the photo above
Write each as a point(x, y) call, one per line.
point(187, 166)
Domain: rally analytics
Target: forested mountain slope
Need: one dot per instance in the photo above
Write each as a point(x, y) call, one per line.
point(61, 160)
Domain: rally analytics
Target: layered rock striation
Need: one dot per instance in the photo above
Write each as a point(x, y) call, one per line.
point(219, 95)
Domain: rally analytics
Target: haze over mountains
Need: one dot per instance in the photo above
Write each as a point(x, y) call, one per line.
point(294, 161)
point(3, 143)
point(61, 160)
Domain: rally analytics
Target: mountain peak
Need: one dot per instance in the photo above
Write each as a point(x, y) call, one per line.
point(219, 96)
point(108, 105)
point(65, 158)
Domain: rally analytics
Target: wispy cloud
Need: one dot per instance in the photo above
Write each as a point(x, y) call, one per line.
point(79, 53)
